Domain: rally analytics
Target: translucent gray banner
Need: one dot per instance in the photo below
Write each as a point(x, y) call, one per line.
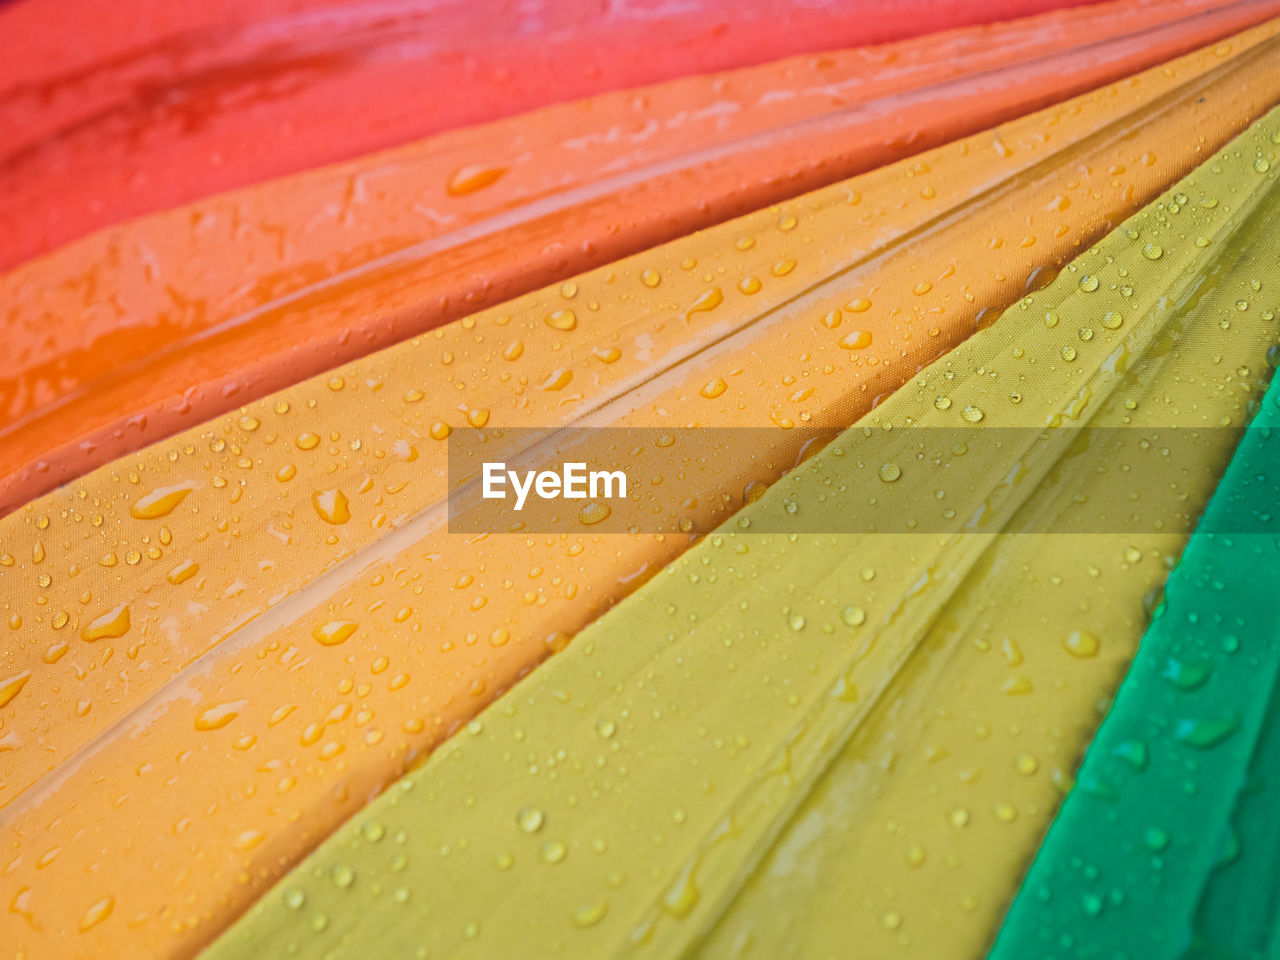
point(1060, 479)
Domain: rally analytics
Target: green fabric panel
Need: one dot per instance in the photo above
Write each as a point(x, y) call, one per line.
point(1169, 844)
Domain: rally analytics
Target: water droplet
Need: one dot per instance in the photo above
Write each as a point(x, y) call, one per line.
point(557, 380)
point(332, 506)
point(706, 301)
point(247, 840)
point(334, 632)
point(593, 513)
point(12, 687)
point(853, 616)
point(562, 320)
point(713, 388)
point(183, 572)
point(856, 340)
point(111, 625)
point(159, 503)
point(1082, 644)
point(1205, 733)
point(1187, 674)
point(590, 914)
point(219, 715)
point(530, 819)
point(97, 912)
point(553, 852)
point(472, 177)
point(1156, 839)
point(683, 895)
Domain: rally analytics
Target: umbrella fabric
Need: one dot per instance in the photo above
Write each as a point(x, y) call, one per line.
point(142, 330)
point(116, 109)
point(626, 799)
